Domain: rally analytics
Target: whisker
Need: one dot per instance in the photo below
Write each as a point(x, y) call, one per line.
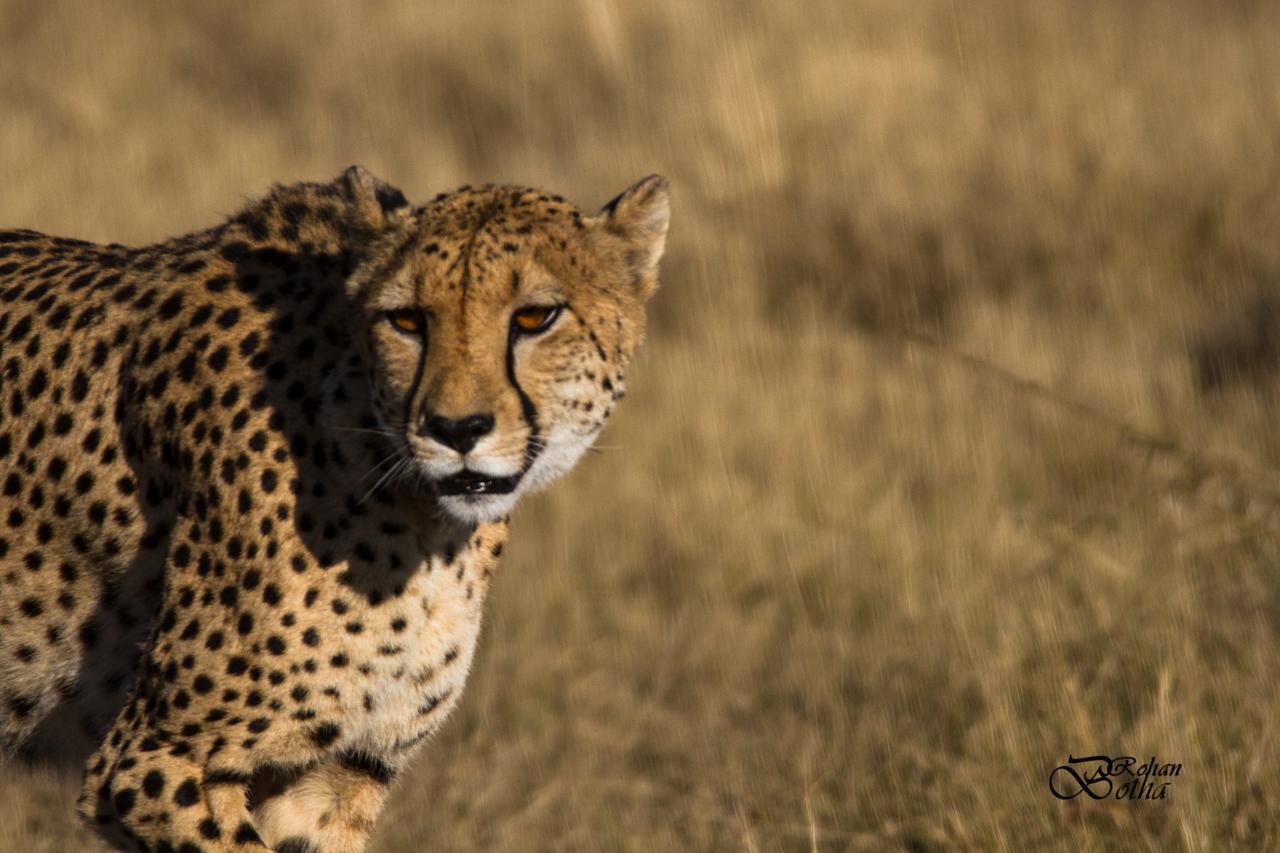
point(388, 476)
point(371, 431)
point(394, 454)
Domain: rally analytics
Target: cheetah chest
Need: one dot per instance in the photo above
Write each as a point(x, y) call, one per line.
point(406, 680)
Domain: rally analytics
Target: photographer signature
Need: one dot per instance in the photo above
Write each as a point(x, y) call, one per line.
point(1096, 777)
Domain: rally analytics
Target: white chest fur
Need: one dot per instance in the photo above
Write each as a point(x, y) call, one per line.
point(413, 668)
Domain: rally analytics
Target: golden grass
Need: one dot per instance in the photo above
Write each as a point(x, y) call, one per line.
point(854, 572)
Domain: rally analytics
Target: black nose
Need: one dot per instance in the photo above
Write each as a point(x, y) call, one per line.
point(459, 433)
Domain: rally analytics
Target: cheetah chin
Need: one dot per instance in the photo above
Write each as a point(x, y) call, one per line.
point(474, 498)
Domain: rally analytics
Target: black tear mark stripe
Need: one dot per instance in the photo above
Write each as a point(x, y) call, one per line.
point(418, 373)
point(530, 412)
point(421, 369)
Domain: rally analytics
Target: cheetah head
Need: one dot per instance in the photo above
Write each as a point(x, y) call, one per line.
point(498, 322)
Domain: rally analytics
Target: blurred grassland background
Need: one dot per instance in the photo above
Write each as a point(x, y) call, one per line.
point(953, 449)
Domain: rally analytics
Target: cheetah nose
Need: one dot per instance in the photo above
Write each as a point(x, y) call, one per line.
point(461, 434)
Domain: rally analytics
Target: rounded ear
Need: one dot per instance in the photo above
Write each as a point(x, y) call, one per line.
point(376, 202)
point(639, 217)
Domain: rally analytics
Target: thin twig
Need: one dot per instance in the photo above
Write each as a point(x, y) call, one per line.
point(1125, 432)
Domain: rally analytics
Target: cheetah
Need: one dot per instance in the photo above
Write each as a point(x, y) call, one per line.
point(256, 481)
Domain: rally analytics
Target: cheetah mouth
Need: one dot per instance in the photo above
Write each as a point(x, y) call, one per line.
point(472, 483)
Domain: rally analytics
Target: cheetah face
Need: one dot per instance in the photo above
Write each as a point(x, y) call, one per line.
point(498, 323)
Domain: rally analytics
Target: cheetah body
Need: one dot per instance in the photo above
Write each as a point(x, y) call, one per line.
point(239, 557)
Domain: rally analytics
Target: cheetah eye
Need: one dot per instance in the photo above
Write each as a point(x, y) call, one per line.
point(535, 318)
point(407, 320)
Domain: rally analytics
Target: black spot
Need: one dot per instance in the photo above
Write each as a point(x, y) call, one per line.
point(249, 344)
point(371, 766)
point(188, 793)
point(170, 307)
point(246, 834)
point(325, 734)
point(124, 801)
point(79, 386)
point(153, 784)
point(218, 360)
point(23, 706)
point(389, 198)
point(209, 829)
point(235, 251)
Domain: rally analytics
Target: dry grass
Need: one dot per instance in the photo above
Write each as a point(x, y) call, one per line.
point(853, 574)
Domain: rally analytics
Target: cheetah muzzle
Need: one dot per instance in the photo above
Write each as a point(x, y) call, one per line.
point(255, 482)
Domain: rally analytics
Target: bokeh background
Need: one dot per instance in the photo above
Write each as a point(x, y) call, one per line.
point(953, 449)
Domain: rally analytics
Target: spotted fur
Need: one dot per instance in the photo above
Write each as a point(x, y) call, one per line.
point(248, 521)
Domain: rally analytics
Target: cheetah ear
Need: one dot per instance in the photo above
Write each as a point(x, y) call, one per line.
point(376, 202)
point(639, 218)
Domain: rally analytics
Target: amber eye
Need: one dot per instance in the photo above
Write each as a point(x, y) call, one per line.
point(407, 320)
point(535, 319)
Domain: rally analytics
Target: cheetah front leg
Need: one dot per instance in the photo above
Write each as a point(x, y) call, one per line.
point(141, 795)
point(329, 807)
point(158, 782)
